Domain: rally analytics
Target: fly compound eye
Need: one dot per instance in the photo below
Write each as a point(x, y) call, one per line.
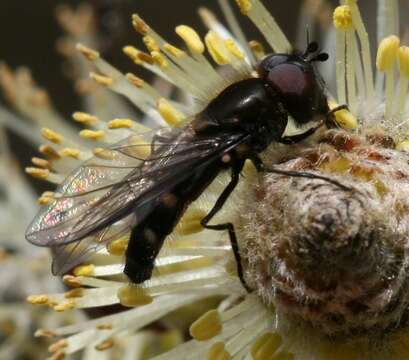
point(270, 62)
point(289, 79)
point(294, 83)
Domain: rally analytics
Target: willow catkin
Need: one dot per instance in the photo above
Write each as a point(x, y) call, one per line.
point(336, 259)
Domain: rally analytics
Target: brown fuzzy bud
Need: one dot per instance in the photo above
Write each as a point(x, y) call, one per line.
point(335, 258)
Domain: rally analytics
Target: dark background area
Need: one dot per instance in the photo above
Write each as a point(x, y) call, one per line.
point(28, 33)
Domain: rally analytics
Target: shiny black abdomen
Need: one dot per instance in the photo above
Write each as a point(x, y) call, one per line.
point(148, 236)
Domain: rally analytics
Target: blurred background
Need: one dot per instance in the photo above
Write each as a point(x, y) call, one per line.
point(29, 34)
point(30, 37)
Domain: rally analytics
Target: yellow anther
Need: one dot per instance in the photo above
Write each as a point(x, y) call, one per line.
point(105, 327)
point(150, 43)
point(133, 54)
point(380, 187)
point(71, 281)
point(342, 17)
point(133, 295)
point(171, 115)
point(146, 58)
point(217, 49)
point(234, 49)
point(102, 153)
point(139, 25)
point(44, 333)
point(49, 151)
point(89, 53)
point(85, 118)
point(218, 352)
point(173, 50)
point(257, 48)
point(403, 146)
point(265, 346)
point(84, 270)
point(120, 124)
point(207, 326)
point(245, 6)
point(74, 293)
point(38, 299)
point(39, 98)
point(134, 80)
point(191, 38)
point(343, 117)
point(59, 345)
point(159, 59)
point(282, 356)
point(101, 79)
point(170, 339)
point(38, 173)
point(105, 345)
point(338, 165)
point(118, 247)
point(48, 193)
point(52, 136)
point(64, 306)
point(70, 152)
point(138, 148)
point(92, 135)
point(46, 198)
point(43, 200)
point(403, 56)
point(387, 53)
point(190, 222)
point(59, 355)
point(42, 163)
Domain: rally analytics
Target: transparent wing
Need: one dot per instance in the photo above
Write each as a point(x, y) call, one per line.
point(66, 257)
point(119, 182)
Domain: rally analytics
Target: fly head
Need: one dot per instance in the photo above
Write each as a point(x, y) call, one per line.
point(293, 80)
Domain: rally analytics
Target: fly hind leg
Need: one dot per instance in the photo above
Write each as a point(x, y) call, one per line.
point(228, 226)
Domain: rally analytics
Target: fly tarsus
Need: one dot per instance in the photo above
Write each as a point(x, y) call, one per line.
point(235, 247)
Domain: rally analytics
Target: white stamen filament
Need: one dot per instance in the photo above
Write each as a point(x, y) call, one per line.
point(402, 95)
point(340, 65)
point(269, 27)
point(350, 70)
point(365, 49)
point(236, 28)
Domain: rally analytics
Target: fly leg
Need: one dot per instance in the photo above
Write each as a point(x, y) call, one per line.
point(228, 226)
point(261, 167)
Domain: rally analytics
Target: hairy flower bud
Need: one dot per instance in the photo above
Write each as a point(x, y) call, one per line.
point(335, 258)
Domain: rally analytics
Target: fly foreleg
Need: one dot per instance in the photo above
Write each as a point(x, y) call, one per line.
point(261, 167)
point(228, 226)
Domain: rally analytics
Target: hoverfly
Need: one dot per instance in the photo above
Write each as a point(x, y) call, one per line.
point(284, 103)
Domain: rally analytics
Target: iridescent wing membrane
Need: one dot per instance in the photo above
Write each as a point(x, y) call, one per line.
point(114, 191)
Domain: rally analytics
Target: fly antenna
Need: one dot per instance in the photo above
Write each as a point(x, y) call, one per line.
point(321, 57)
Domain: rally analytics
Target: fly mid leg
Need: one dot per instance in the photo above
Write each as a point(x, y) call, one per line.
point(236, 169)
